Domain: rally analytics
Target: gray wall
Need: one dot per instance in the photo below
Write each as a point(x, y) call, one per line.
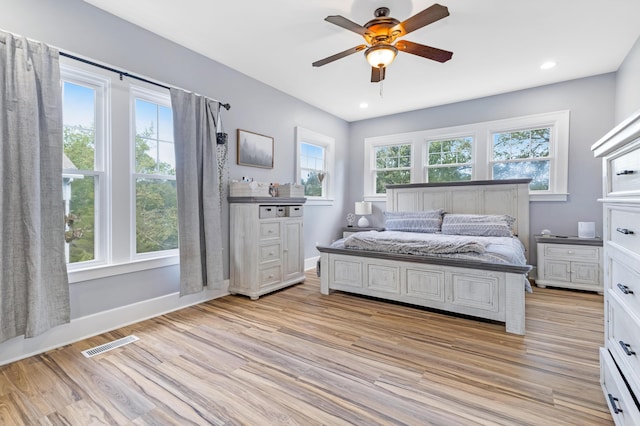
point(77, 27)
point(591, 104)
point(628, 85)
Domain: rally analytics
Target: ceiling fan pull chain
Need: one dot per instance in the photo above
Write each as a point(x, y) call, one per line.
point(381, 89)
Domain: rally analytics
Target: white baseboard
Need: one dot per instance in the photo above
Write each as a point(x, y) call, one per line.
point(92, 325)
point(310, 263)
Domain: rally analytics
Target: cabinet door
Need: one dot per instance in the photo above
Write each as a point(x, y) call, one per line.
point(587, 273)
point(558, 270)
point(292, 250)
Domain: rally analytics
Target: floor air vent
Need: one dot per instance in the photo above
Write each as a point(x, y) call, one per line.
point(108, 346)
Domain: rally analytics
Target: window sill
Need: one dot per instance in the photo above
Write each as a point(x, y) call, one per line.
point(319, 202)
point(548, 197)
point(103, 271)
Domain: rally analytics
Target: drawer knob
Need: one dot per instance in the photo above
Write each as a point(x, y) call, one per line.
point(625, 172)
point(626, 348)
point(623, 288)
point(614, 404)
point(624, 231)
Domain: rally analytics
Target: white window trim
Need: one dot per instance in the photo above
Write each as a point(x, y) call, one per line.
point(482, 150)
point(160, 98)
point(328, 143)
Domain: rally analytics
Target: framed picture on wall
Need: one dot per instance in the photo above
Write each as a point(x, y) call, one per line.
point(255, 150)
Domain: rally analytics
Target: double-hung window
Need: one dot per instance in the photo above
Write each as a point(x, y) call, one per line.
point(449, 160)
point(154, 179)
point(314, 165)
point(523, 153)
point(392, 166)
point(84, 179)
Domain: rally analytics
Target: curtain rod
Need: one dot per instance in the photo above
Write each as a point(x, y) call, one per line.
point(126, 74)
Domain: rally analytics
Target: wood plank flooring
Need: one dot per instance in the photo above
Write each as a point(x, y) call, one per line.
point(296, 357)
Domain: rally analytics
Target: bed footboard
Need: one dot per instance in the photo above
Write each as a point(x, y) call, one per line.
point(490, 294)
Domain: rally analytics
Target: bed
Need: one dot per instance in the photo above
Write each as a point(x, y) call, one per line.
point(475, 287)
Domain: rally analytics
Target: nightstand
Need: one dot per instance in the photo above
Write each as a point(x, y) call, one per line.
point(348, 230)
point(572, 262)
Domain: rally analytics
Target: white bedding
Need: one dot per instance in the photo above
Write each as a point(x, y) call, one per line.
point(414, 243)
point(503, 250)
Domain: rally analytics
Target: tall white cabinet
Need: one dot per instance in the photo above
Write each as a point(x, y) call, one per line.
point(266, 242)
point(620, 356)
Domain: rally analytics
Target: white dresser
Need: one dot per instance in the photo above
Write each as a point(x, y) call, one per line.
point(620, 357)
point(266, 242)
point(570, 262)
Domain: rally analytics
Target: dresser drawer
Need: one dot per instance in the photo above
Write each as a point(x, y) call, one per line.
point(623, 409)
point(625, 282)
point(624, 169)
point(625, 227)
point(270, 253)
point(269, 230)
point(267, 212)
point(571, 252)
point(623, 340)
point(272, 275)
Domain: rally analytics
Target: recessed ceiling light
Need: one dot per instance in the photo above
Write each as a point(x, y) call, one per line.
point(547, 65)
point(364, 105)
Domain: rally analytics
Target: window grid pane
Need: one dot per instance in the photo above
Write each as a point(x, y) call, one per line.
point(79, 199)
point(154, 154)
point(156, 215)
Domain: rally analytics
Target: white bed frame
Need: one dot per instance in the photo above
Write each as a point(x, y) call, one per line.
point(491, 291)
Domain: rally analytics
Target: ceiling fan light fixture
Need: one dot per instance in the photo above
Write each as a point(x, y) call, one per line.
point(381, 55)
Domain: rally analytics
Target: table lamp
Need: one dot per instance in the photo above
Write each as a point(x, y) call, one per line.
point(363, 208)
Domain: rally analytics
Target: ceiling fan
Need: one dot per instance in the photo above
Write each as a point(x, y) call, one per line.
point(382, 31)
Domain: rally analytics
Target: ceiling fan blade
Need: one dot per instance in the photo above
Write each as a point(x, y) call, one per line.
point(345, 23)
point(424, 51)
point(428, 16)
point(339, 55)
point(377, 74)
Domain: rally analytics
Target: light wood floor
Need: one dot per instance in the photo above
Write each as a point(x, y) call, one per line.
point(297, 357)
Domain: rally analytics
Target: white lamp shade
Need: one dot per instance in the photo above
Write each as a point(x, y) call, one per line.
point(363, 208)
point(381, 56)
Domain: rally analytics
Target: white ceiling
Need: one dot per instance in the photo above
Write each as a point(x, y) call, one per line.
point(498, 45)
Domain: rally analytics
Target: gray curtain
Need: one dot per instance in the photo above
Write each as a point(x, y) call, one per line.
point(34, 289)
point(198, 192)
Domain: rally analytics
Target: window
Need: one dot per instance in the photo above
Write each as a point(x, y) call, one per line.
point(523, 153)
point(392, 166)
point(156, 207)
point(83, 174)
point(534, 146)
point(312, 169)
point(449, 160)
point(314, 166)
point(118, 174)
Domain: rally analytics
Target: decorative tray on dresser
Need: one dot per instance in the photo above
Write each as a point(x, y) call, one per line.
point(620, 357)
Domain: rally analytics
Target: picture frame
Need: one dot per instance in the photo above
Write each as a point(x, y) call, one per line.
point(255, 150)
